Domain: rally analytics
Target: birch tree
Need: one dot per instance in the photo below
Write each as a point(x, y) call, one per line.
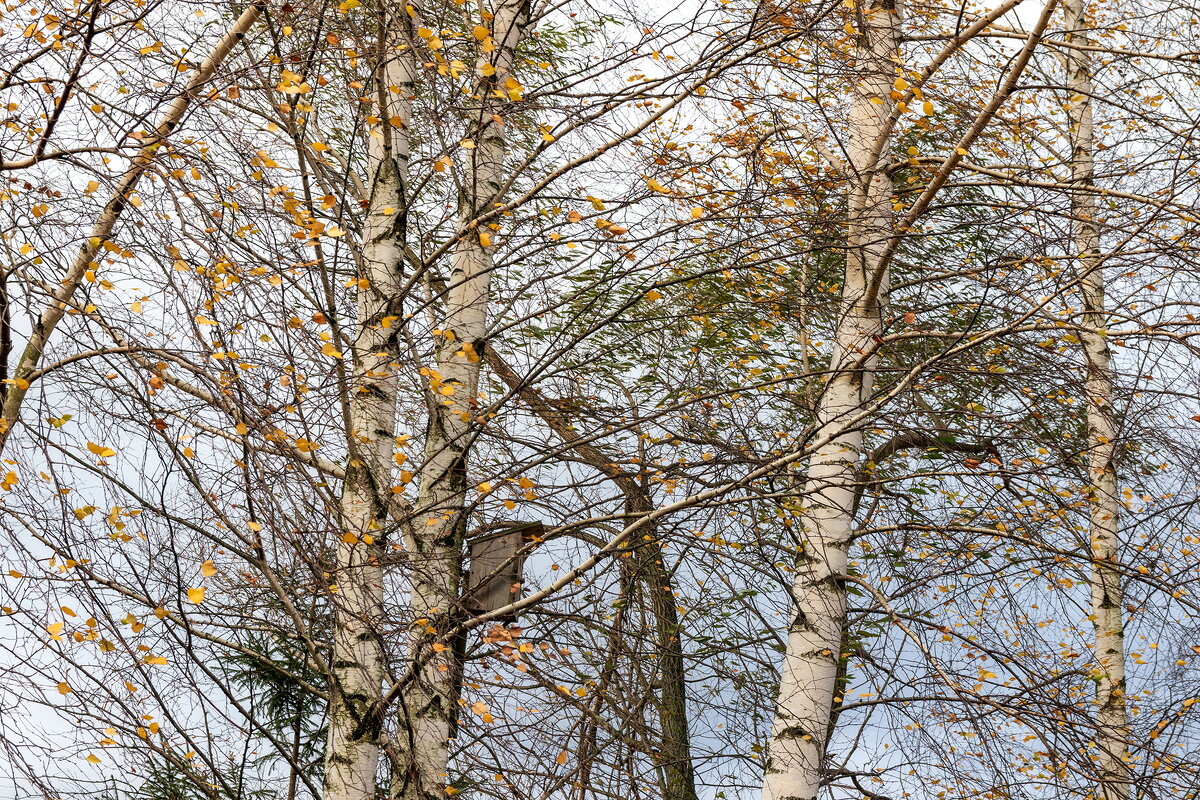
point(1107, 593)
point(417, 271)
point(809, 675)
point(358, 662)
point(430, 705)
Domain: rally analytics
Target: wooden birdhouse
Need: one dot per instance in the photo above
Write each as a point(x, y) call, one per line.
point(496, 571)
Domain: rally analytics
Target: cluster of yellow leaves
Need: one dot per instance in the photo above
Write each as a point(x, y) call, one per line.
point(293, 83)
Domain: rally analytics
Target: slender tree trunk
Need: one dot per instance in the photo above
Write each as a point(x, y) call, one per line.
point(1112, 718)
point(358, 662)
point(106, 222)
point(809, 673)
point(675, 755)
point(295, 767)
point(430, 706)
point(674, 758)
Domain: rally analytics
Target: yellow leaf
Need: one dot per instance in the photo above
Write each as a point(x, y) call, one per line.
point(64, 688)
point(196, 595)
point(93, 758)
point(92, 186)
point(159, 661)
point(331, 351)
point(485, 238)
point(101, 450)
point(525, 483)
point(653, 294)
point(561, 758)
point(208, 569)
point(480, 32)
point(655, 186)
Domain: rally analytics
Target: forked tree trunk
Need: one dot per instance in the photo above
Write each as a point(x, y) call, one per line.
point(430, 705)
point(358, 661)
point(809, 673)
point(1112, 718)
point(106, 222)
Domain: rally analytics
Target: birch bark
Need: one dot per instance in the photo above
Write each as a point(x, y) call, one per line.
point(1107, 595)
point(429, 708)
point(359, 660)
point(809, 673)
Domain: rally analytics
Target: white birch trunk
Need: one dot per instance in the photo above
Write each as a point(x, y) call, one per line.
point(358, 662)
point(809, 673)
point(429, 707)
point(106, 222)
point(1107, 608)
